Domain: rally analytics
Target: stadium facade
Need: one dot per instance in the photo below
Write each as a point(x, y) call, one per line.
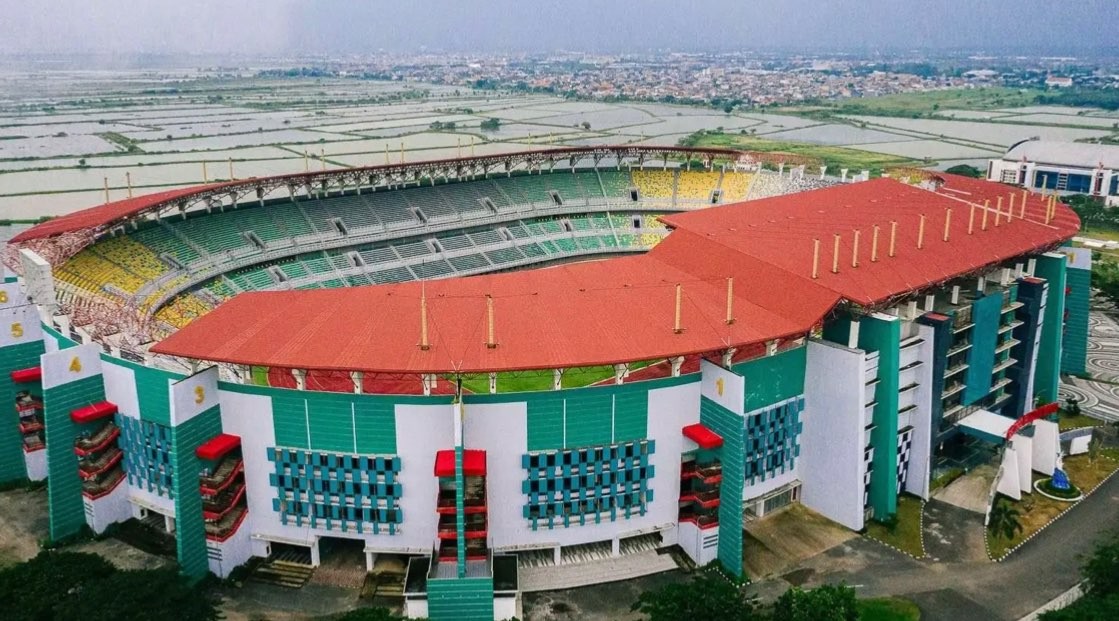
point(1063, 167)
point(760, 343)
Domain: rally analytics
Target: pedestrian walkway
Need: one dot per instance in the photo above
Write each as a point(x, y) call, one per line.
point(555, 577)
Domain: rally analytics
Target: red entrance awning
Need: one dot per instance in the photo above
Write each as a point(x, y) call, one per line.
point(704, 437)
point(217, 446)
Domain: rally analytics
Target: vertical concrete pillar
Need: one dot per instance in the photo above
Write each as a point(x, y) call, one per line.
point(300, 376)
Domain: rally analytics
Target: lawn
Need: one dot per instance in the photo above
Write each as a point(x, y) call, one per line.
point(906, 534)
point(888, 609)
point(835, 158)
point(929, 103)
point(1037, 510)
point(1074, 421)
point(529, 381)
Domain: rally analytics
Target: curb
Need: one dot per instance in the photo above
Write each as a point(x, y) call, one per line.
point(986, 532)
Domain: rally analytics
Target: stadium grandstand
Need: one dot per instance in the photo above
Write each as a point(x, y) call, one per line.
point(528, 371)
point(1063, 167)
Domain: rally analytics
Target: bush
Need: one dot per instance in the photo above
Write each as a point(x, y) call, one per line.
point(707, 596)
point(826, 603)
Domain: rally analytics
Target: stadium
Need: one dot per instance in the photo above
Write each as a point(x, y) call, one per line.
point(532, 370)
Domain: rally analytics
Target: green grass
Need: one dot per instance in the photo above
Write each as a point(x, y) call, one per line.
point(1070, 421)
point(946, 478)
point(529, 381)
point(906, 534)
point(888, 609)
point(928, 103)
point(834, 158)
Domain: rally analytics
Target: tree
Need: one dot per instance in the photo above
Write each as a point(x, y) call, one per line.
point(707, 596)
point(1005, 521)
point(826, 603)
point(965, 170)
point(587, 125)
point(490, 124)
point(370, 614)
point(71, 585)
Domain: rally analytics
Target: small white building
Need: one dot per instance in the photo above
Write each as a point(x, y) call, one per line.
point(1067, 167)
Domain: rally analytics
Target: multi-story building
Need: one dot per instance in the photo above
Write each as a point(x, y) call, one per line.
point(1063, 167)
point(825, 347)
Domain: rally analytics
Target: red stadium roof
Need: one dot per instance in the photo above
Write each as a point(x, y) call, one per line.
point(108, 213)
point(622, 310)
point(115, 212)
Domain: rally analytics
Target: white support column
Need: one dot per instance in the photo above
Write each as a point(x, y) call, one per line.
point(493, 383)
point(316, 559)
point(557, 379)
point(428, 383)
point(771, 347)
point(357, 377)
point(620, 373)
point(370, 560)
point(853, 336)
point(556, 555)
point(300, 376)
point(244, 373)
point(676, 363)
point(1031, 266)
point(1019, 269)
point(955, 295)
point(843, 174)
point(728, 357)
point(616, 547)
point(930, 302)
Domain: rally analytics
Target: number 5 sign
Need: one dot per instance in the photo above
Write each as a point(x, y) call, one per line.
point(19, 325)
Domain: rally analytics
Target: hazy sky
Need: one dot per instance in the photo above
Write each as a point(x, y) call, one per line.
point(333, 26)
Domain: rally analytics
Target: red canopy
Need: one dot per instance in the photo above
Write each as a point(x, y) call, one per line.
point(473, 463)
point(703, 436)
point(24, 376)
point(93, 412)
point(217, 446)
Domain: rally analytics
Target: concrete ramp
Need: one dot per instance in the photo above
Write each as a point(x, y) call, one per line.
point(971, 490)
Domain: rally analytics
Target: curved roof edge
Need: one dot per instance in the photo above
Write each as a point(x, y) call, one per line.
point(110, 214)
point(622, 309)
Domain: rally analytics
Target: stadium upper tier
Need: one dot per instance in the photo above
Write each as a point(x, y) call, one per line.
point(727, 277)
point(177, 263)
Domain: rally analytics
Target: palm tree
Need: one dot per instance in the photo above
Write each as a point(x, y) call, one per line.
point(1005, 520)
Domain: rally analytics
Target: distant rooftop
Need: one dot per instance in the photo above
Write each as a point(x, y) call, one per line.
point(1072, 154)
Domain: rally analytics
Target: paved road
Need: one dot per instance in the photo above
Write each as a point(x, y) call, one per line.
point(1041, 570)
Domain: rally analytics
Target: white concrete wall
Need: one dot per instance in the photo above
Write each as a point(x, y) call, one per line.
point(831, 470)
point(501, 430)
point(110, 508)
point(920, 453)
point(504, 608)
point(421, 431)
point(36, 462)
point(1046, 446)
point(702, 546)
point(232, 552)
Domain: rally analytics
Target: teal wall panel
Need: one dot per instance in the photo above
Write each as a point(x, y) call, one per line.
point(376, 425)
point(1047, 373)
point(14, 358)
point(590, 418)
point(544, 421)
point(153, 389)
point(631, 415)
point(884, 336)
point(986, 314)
point(729, 425)
point(1074, 350)
point(64, 486)
point(190, 531)
point(331, 423)
point(289, 416)
point(770, 379)
point(462, 599)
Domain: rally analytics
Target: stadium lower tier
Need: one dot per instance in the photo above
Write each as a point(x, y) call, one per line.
point(472, 486)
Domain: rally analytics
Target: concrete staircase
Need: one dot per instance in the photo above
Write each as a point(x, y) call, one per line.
point(287, 569)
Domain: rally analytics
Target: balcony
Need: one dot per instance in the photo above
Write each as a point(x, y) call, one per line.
point(952, 389)
point(94, 488)
point(959, 348)
point(1004, 365)
point(956, 369)
point(94, 467)
point(1006, 345)
point(225, 527)
point(98, 441)
point(222, 476)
